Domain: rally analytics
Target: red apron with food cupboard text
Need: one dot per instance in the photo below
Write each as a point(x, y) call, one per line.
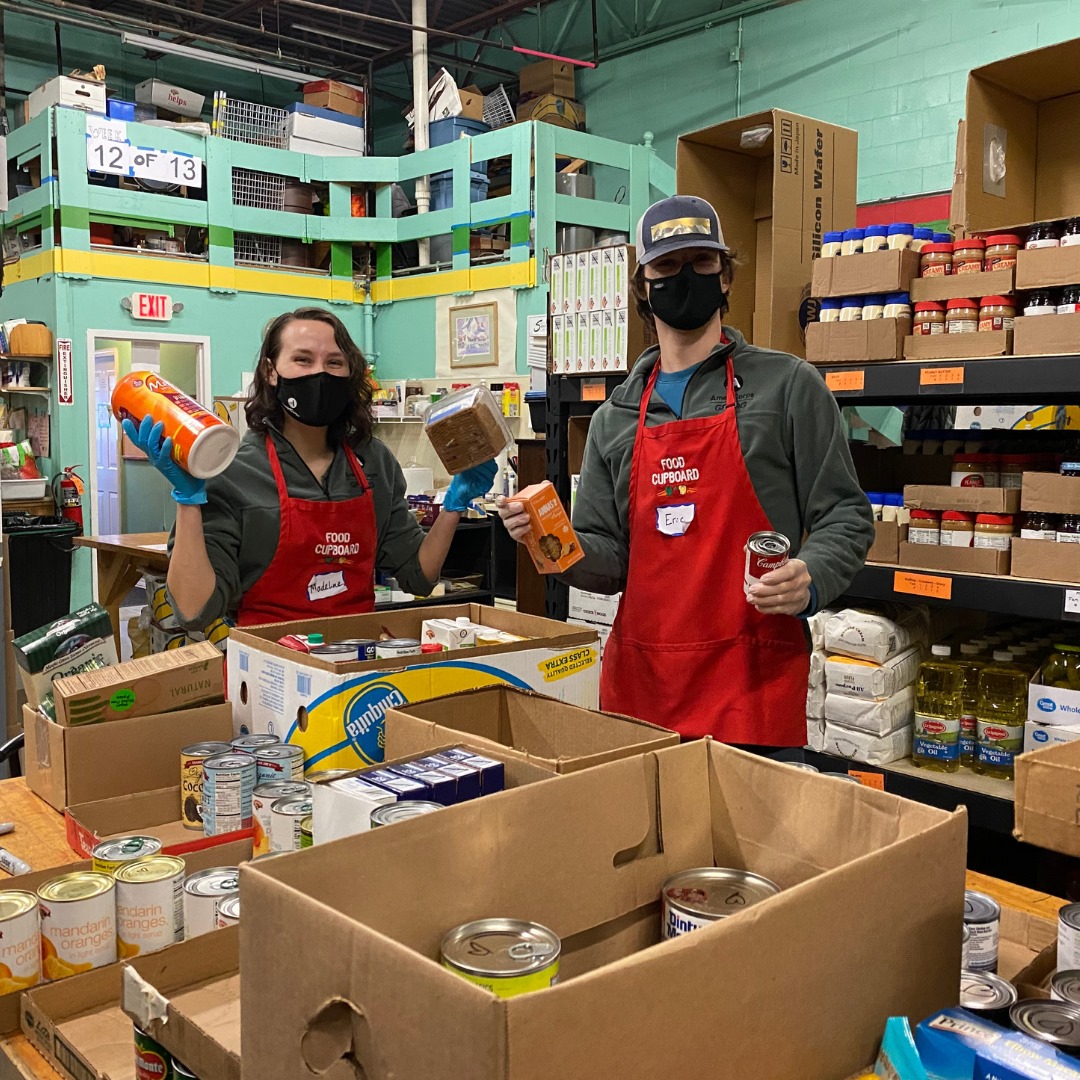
point(325, 559)
point(687, 649)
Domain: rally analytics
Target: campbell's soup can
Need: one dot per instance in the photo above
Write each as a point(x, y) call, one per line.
point(20, 941)
point(765, 552)
point(202, 445)
point(78, 923)
point(149, 905)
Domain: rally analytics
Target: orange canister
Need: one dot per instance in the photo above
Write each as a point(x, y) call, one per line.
point(203, 445)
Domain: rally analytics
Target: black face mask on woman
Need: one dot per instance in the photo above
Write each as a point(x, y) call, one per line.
point(686, 300)
point(316, 400)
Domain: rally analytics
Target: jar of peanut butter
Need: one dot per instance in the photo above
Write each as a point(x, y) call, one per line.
point(929, 318)
point(997, 313)
point(961, 316)
point(925, 527)
point(1001, 249)
point(994, 531)
point(935, 260)
point(957, 529)
point(968, 255)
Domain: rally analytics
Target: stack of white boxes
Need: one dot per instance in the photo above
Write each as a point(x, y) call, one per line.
point(590, 311)
point(596, 611)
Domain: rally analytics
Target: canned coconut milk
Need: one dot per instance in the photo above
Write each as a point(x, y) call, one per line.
point(228, 784)
point(506, 956)
point(697, 898)
point(20, 941)
point(227, 912)
point(1054, 1022)
point(248, 744)
point(285, 818)
point(202, 891)
point(982, 916)
point(765, 552)
point(1065, 986)
point(78, 923)
point(191, 779)
point(110, 855)
point(1068, 954)
point(987, 994)
point(282, 762)
point(149, 905)
point(396, 647)
point(402, 811)
point(263, 799)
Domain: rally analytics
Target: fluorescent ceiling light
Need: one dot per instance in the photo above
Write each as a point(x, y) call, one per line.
point(335, 35)
point(154, 44)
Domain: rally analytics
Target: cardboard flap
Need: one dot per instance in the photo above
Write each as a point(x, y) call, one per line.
point(1046, 787)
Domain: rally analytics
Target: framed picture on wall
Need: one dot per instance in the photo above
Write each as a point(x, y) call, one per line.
point(474, 336)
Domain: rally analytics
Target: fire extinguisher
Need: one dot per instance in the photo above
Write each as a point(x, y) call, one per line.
point(67, 493)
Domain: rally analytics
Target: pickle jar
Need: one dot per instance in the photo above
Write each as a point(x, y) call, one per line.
point(1062, 667)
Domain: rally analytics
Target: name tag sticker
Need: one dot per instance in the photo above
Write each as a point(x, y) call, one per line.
point(323, 585)
point(674, 520)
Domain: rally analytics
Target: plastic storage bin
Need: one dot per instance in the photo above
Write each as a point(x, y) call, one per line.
point(442, 190)
point(40, 551)
point(457, 127)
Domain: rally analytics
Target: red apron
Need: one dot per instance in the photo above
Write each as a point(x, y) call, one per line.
point(325, 559)
point(687, 650)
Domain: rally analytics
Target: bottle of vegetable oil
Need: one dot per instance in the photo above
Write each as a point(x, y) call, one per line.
point(939, 705)
point(972, 664)
point(1001, 712)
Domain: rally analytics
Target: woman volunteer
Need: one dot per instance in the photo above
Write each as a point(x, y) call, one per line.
point(312, 504)
point(708, 441)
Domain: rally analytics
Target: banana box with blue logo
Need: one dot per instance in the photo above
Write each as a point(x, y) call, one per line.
point(335, 711)
point(1056, 706)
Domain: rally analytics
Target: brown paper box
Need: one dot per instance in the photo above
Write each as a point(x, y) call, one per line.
point(1050, 493)
point(472, 103)
point(548, 733)
point(971, 500)
point(225, 855)
point(955, 560)
point(778, 198)
point(858, 275)
point(958, 346)
point(1047, 335)
point(101, 761)
point(837, 342)
point(887, 538)
point(957, 286)
point(176, 679)
point(1046, 787)
point(1044, 268)
point(547, 77)
point(588, 857)
point(1046, 560)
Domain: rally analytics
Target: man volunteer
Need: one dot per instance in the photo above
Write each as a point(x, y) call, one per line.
point(708, 441)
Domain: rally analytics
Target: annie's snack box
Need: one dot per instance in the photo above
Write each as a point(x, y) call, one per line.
point(551, 542)
point(467, 429)
point(176, 679)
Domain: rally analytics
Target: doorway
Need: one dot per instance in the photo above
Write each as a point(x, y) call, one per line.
point(107, 522)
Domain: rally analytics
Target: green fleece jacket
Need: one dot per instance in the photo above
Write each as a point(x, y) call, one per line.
point(242, 517)
point(796, 454)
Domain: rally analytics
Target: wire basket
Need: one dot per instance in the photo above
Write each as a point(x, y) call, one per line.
point(249, 122)
point(264, 191)
point(256, 250)
point(498, 111)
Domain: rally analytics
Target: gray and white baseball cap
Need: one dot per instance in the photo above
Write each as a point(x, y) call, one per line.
point(681, 221)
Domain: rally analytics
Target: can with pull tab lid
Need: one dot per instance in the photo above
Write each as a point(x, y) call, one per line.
point(982, 916)
point(987, 994)
point(1056, 1023)
point(697, 898)
point(506, 956)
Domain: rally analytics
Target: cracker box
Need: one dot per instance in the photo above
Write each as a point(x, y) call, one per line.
point(552, 542)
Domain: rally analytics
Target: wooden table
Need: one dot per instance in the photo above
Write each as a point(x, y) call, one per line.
point(122, 559)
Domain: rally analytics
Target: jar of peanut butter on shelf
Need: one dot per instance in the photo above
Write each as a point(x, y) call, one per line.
point(997, 313)
point(935, 260)
point(994, 531)
point(929, 318)
point(968, 255)
point(957, 529)
point(961, 316)
point(1001, 249)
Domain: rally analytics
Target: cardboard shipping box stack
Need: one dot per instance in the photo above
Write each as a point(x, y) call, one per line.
point(587, 855)
point(779, 181)
point(1046, 559)
point(548, 94)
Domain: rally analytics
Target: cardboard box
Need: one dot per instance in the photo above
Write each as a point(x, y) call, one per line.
point(1046, 786)
point(1019, 148)
point(876, 272)
point(990, 417)
point(1039, 735)
point(957, 286)
point(1051, 493)
point(224, 855)
point(779, 182)
point(69, 90)
point(346, 133)
point(1052, 704)
point(887, 538)
point(67, 766)
point(334, 711)
point(1046, 335)
point(336, 96)
point(1046, 560)
point(550, 734)
point(547, 77)
point(147, 813)
point(550, 109)
point(177, 679)
point(1047, 268)
point(309, 146)
point(594, 607)
point(855, 342)
point(955, 560)
point(624, 829)
point(174, 99)
point(970, 500)
point(472, 103)
point(958, 346)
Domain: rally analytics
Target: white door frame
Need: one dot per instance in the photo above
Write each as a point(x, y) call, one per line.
point(202, 385)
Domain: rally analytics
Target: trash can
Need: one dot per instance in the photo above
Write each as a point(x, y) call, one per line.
point(39, 555)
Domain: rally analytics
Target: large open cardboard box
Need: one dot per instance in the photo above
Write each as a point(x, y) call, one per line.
point(1020, 150)
point(548, 733)
point(779, 181)
point(871, 883)
point(335, 711)
point(1047, 782)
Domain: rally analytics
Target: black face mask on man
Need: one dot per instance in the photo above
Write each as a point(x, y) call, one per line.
point(686, 300)
point(316, 400)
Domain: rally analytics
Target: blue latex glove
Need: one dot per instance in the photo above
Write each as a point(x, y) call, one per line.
point(469, 485)
point(187, 489)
